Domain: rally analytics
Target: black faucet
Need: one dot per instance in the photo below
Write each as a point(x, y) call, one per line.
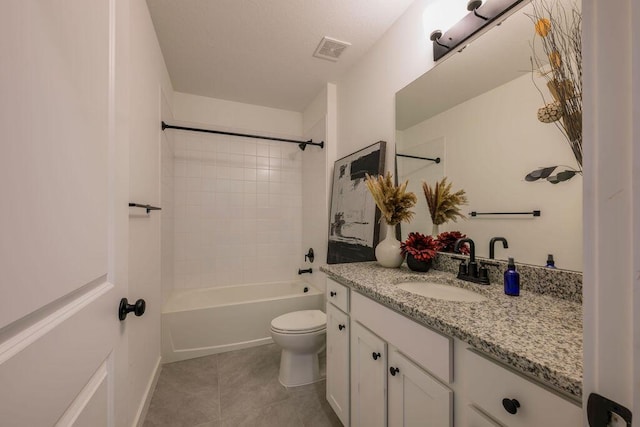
point(471, 272)
point(492, 242)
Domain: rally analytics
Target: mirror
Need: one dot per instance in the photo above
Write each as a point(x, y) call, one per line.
point(477, 111)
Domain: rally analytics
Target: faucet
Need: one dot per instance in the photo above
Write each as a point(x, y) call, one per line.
point(492, 242)
point(470, 272)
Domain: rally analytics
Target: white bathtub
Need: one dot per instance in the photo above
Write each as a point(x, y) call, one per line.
point(199, 322)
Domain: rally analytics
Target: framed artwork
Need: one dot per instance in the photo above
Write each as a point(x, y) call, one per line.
point(354, 227)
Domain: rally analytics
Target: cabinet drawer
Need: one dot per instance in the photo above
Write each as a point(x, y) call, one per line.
point(338, 295)
point(490, 383)
point(427, 348)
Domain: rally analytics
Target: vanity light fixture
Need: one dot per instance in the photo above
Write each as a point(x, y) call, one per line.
point(481, 14)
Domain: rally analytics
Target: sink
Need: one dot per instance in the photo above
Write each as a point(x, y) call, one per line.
point(442, 292)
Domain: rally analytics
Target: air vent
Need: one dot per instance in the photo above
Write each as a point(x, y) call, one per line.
point(330, 49)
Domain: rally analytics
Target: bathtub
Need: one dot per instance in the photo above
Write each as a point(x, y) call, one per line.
point(199, 322)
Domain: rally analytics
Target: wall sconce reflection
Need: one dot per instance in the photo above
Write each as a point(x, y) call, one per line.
point(481, 14)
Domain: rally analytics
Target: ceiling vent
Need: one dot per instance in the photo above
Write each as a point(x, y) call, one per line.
point(330, 49)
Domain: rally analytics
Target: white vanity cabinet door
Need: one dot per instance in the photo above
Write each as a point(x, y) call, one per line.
point(490, 383)
point(477, 418)
point(415, 398)
point(368, 378)
point(338, 362)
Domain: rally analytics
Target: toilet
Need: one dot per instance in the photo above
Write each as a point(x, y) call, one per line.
point(302, 335)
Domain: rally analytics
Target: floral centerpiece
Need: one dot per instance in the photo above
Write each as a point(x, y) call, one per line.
point(444, 205)
point(420, 251)
point(395, 203)
point(447, 241)
point(559, 32)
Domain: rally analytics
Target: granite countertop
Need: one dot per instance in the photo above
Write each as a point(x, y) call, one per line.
point(536, 334)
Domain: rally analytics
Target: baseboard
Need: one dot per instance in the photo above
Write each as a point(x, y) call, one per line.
point(141, 413)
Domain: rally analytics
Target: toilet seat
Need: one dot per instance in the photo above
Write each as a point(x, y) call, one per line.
point(300, 322)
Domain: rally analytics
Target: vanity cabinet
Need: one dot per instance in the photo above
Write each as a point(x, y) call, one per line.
point(338, 328)
point(368, 378)
point(513, 400)
point(414, 397)
point(388, 386)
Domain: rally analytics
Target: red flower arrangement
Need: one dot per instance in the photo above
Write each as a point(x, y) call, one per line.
point(447, 241)
point(421, 247)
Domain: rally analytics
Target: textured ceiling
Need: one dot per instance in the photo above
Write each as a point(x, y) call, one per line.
point(260, 51)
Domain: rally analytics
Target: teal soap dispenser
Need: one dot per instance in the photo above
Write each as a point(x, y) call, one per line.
point(511, 280)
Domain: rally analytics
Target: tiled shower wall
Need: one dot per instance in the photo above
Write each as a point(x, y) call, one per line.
point(238, 210)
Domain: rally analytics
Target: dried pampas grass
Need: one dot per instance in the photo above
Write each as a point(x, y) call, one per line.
point(393, 201)
point(444, 205)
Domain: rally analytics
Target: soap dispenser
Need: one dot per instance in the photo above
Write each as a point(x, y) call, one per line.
point(550, 262)
point(511, 280)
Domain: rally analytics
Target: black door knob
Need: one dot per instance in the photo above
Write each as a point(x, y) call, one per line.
point(341, 327)
point(511, 405)
point(375, 355)
point(333, 294)
point(393, 371)
point(126, 308)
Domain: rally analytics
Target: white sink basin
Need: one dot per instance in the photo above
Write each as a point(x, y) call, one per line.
point(442, 292)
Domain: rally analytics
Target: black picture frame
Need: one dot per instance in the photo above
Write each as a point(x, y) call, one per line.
point(354, 219)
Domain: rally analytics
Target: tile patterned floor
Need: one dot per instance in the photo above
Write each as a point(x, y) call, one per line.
point(238, 388)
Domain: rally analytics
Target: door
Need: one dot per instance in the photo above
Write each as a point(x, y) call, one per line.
point(416, 398)
point(611, 46)
point(368, 378)
point(63, 221)
point(338, 362)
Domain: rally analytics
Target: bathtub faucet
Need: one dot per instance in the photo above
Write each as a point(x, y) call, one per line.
point(308, 270)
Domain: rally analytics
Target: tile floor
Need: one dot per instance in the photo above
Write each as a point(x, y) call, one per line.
point(238, 388)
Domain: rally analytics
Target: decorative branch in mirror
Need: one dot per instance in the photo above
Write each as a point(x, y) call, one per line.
point(558, 31)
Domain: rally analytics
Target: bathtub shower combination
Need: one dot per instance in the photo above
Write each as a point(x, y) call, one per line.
point(199, 322)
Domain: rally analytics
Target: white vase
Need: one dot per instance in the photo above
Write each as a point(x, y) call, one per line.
point(435, 230)
point(388, 251)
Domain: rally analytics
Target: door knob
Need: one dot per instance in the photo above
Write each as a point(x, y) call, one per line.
point(125, 308)
point(375, 355)
point(341, 327)
point(333, 294)
point(393, 371)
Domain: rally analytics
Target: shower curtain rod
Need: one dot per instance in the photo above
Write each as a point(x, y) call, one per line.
point(301, 144)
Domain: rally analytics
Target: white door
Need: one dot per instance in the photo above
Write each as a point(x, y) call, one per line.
point(368, 378)
point(611, 46)
point(63, 221)
point(416, 398)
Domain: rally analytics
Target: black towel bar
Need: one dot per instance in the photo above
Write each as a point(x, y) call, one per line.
point(149, 208)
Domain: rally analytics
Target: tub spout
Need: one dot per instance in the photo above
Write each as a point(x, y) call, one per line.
point(308, 270)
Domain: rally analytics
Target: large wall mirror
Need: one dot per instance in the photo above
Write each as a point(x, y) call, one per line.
point(477, 111)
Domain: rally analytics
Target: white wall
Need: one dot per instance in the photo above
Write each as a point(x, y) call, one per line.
point(366, 94)
point(167, 232)
point(237, 201)
point(148, 79)
point(314, 189)
point(490, 143)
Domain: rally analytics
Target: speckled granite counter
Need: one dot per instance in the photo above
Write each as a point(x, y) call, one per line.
point(536, 334)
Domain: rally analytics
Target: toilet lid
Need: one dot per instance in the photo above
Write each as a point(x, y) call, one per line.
point(300, 321)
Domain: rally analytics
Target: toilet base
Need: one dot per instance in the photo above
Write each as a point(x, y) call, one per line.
point(298, 369)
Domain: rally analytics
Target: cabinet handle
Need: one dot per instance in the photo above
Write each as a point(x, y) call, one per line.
point(375, 355)
point(510, 405)
point(393, 371)
point(341, 327)
point(333, 294)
